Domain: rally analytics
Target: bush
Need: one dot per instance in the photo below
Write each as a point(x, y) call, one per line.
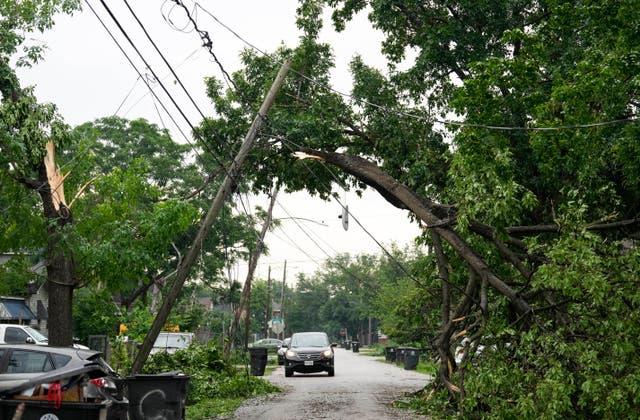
point(211, 376)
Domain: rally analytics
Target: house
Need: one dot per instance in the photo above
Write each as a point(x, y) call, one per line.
point(14, 310)
point(31, 310)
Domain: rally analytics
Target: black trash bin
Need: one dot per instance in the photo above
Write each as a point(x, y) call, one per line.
point(37, 409)
point(400, 355)
point(347, 345)
point(356, 346)
point(258, 360)
point(119, 409)
point(411, 358)
point(390, 354)
point(157, 396)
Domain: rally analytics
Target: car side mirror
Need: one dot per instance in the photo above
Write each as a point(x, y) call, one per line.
point(30, 340)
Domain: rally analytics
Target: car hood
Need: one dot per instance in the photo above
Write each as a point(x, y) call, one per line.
point(306, 349)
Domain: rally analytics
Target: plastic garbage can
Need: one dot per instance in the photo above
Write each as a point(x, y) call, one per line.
point(157, 396)
point(347, 345)
point(411, 358)
point(356, 346)
point(258, 360)
point(400, 355)
point(390, 354)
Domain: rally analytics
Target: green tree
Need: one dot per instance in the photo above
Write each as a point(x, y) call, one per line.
point(528, 200)
point(29, 133)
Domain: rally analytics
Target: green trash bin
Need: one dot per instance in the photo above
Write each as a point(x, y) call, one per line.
point(258, 361)
point(161, 396)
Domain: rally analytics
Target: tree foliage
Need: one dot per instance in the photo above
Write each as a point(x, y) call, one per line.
point(530, 196)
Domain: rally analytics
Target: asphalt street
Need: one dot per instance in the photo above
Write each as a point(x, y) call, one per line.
point(362, 388)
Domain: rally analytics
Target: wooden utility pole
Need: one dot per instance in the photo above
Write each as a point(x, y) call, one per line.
point(284, 281)
point(244, 308)
point(223, 193)
point(267, 316)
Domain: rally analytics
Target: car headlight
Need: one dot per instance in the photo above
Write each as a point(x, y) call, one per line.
point(327, 354)
point(291, 353)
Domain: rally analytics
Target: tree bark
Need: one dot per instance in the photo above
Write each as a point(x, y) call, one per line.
point(61, 279)
point(60, 267)
point(431, 213)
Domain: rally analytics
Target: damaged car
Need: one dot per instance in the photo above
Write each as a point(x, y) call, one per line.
point(60, 375)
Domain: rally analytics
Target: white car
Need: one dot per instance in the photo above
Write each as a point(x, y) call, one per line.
point(23, 334)
point(172, 341)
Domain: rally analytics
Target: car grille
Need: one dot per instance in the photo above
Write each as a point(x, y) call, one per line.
point(310, 356)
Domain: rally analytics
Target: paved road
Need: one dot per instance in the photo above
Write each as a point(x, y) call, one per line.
point(361, 389)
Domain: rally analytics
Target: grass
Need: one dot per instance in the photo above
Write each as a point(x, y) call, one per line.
point(223, 407)
point(213, 408)
point(426, 367)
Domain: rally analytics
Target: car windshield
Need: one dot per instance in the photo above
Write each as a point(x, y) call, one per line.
point(309, 340)
point(37, 335)
point(172, 341)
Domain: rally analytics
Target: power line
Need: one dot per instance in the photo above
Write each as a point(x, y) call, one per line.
point(382, 247)
point(206, 42)
point(147, 93)
point(208, 45)
point(126, 35)
point(136, 69)
point(194, 131)
point(164, 59)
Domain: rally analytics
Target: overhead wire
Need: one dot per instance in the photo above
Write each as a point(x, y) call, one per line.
point(126, 96)
point(164, 59)
point(135, 67)
point(208, 44)
point(164, 78)
point(184, 116)
point(338, 263)
point(351, 215)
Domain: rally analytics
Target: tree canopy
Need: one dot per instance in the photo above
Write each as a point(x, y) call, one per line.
point(509, 129)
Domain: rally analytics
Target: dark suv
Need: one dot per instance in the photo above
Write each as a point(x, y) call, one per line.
point(309, 352)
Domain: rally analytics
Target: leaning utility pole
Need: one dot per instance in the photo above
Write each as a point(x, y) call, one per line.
point(284, 281)
point(244, 307)
point(267, 314)
point(223, 193)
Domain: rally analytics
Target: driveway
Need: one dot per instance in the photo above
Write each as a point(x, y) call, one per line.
point(361, 388)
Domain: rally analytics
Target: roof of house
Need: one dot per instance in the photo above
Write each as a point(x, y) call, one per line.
point(15, 309)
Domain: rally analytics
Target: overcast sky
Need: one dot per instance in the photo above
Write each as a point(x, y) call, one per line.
point(88, 77)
